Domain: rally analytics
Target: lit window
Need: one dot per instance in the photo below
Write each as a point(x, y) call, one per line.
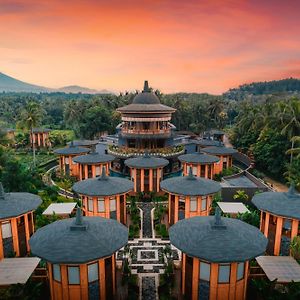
point(93, 272)
point(240, 271)
point(204, 271)
point(195, 169)
point(112, 204)
point(56, 272)
point(101, 205)
point(193, 204)
point(73, 275)
point(90, 204)
point(6, 230)
point(224, 273)
point(67, 160)
point(203, 203)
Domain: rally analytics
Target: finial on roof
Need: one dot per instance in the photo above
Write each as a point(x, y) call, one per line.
point(190, 175)
point(220, 143)
point(93, 149)
point(72, 144)
point(292, 190)
point(146, 154)
point(146, 87)
point(217, 222)
point(103, 174)
point(78, 224)
point(78, 220)
point(2, 194)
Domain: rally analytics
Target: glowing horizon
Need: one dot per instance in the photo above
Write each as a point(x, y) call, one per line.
point(198, 46)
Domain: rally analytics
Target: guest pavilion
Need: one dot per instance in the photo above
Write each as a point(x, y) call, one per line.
point(216, 254)
point(80, 256)
point(189, 196)
point(16, 222)
point(279, 219)
point(104, 196)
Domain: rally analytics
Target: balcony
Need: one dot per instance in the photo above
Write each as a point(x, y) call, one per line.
point(161, 133)
point(161, 152)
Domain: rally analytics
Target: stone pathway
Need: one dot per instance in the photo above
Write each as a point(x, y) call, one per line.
point(147, 258)
point(147, 220)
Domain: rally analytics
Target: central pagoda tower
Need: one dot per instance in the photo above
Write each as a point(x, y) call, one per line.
point(145, 122)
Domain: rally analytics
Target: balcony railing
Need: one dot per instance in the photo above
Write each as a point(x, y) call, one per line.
point(145, 131)
point(162, 152)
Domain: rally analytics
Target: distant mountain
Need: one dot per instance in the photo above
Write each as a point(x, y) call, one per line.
point(10, 84)
point(75, 89)
point(289, 86)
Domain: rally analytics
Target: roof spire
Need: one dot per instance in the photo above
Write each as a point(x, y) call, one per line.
point(292, 191)
point(146, 87)
point(2, 194)
point(190, 175)
point(103, 174)
point(78, 224)
point(146, 153)
point(217, 223)
point(72, 144)
point(93, 149)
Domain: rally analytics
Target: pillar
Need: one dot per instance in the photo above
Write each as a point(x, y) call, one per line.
point(142, 180)
point(195, 279)
point(278, 235)
point(150, 180)
point(14, 229)
point(267, 220)
point(27, 232)
point(1, 244)
point(176, 209)
point(102, 279)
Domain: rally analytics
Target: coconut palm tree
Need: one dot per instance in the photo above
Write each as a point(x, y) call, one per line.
point(31, 117)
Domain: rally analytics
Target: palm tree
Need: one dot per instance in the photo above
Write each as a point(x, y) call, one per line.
point(31, 117)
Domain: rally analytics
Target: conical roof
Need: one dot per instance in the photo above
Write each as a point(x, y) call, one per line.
point(146, 101)
point(78, 240)
point(94, 158)
point(16, 204)
point(217, 239)
point(103, 186)
point(146, 162)
point(190, 185)
point(198, 158)
point(286, 204)
point(72, 149)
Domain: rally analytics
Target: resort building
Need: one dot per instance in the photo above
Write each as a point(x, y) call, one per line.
point(146, 127)
point(202, 165)
point(91, 165)
point(215, 256)
point(40, 137)
point(104, 196)
point(146, 172)
point(224, 153)
point(279, 219)
point(66, 155)
point(215, 135)
point(80, 256)
point(189, 196)
point(16, 222)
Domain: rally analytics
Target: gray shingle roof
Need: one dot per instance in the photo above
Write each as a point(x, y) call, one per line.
point(103, 186)
point(35, 130)
point(146, 161)
point(286, 204)
point(94, 158)
point(206, 143)
point(190, 185)
point(72, 149)
point(16, 204)
point(198, 158)
point(84, 143)
point(219, 150)
point(78, 240)
point(230, 241)
point(146, 102)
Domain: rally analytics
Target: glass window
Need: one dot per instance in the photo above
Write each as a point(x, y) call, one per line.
point(73, 275)
point(6, 230)
point(93, 272)
point(98, 171)
point(240, 271)
point(112, 204)
point(195, 170)
point(101, 205)
point(90, 204)
point(204, 271)
point(224, 159)
point(67, 160)
point(56, 272)
point(224, 273)
point(193, 204)
point(203, 203)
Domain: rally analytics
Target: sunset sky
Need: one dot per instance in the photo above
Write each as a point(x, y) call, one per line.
point(192, 46)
